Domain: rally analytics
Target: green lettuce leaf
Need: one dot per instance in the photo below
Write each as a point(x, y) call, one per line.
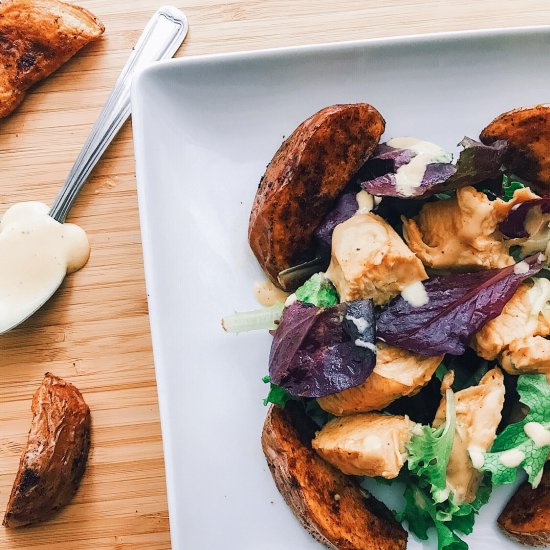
point(319, 291)
point(509, 187)
point(430, 450)
point(277, 395)
point(513, 445)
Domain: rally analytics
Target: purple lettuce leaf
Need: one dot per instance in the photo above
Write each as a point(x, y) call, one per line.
point(476, 163)
point(513, 226)
point(317, 352)
point(344, 208)
point(459, 305)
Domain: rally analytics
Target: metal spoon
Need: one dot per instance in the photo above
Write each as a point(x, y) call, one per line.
point(161, 38)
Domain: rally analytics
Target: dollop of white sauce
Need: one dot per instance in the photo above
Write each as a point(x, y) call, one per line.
point(521, 267)
point(292, 299)
point(415, 294)
point(361, 324)
point(409, 176)
point(36, 252)
point(538, 433)
point(512, 458)
point(366, 202)
point(362, 344)
point(477, 457)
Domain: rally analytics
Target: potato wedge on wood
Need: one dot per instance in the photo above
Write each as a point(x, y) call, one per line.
point(36, 38)
point(54, 458)
point(527, 132)
point(333, 509)
point(526, 517)
point(303, 179)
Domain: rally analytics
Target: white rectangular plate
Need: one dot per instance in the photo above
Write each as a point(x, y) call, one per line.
point(204, 130)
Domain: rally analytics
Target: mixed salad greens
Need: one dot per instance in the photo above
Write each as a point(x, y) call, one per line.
point(322, 346)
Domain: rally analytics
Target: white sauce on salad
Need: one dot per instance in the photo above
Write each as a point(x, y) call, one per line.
point(512, 458)
point(521, 267)
point(409, 176)
point(415, 294)
point(477, 457)
point(538, 433)
point(366, 202)
point(36, 252)
point(362, 344)
point(361, 324)
point(268, 294)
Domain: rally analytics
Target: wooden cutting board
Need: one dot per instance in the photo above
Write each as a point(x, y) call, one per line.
point(95, 331)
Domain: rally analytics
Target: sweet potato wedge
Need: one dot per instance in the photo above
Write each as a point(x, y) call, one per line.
point(526, 517)
point(54, 458)
point(527, 132)
point(329, 504)
point(36, 38)
point(304, 178)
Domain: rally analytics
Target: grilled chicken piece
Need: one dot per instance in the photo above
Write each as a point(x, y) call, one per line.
point(397, 373)
point(526, 517)
point(330, 505)
point(461, 233)
point(370, 444)
point(516, 336)
point(303, 180)
point(478, 414)
point(527, 132)
point(36, 38)
point(370, 260)
point(54, 459)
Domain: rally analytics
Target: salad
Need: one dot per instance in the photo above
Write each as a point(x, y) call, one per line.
point(415, 331)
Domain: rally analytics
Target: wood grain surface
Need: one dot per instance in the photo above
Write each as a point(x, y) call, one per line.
point(95, 331)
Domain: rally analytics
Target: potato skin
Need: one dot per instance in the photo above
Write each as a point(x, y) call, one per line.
point(527, 132)
point(36, 38)
point(333, 509)
point(55, 456)
point(303, 179)
point(526, 517)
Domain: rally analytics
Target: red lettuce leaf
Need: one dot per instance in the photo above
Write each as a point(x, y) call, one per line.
point(459, 305)
point(317, 352)
point(476, 163)
point(344, 208)
point(514, 225)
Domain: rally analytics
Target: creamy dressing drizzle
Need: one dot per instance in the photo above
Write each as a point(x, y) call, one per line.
point(538, 433)
point(415, 294)
point(521, 267)
point(409, 176)
point(268, 294)
point(36, 252)
point(477, 457)
point(512, 458)
point(365, 202)
point(361, 324)
point(362, 344)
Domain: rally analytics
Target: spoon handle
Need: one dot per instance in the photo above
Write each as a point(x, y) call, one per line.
point(161, 38)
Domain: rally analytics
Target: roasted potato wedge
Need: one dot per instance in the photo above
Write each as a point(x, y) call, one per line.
point(304, 178)
point(328, 504)
point(36, 38)
point(54, 458)
point(526, 517)
point(527, 132)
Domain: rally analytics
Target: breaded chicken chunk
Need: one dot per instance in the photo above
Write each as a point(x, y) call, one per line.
point(370, 260)
point(478, 414)
point(516, 336)
point(462, 233)
point(370, 444)
point(398, 372)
